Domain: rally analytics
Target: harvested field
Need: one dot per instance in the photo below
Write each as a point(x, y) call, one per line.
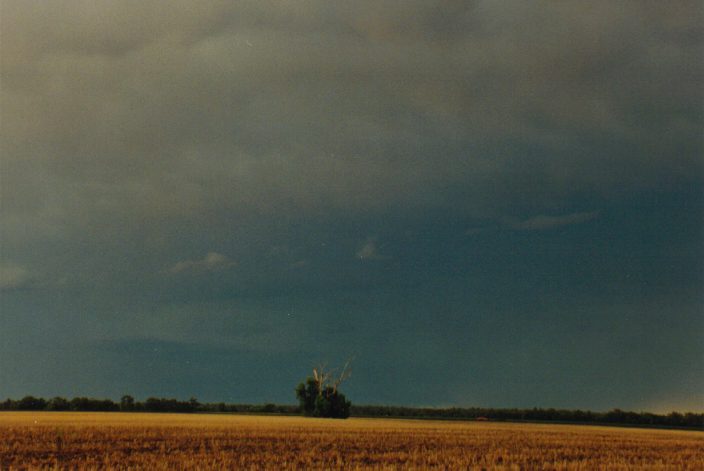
point(181, 441)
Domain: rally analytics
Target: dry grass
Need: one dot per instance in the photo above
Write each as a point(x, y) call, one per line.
point(170, 441)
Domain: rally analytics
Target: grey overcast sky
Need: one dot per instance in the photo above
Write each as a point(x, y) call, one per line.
point(486, 203)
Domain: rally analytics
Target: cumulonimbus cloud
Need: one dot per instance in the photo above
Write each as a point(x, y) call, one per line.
point(264, 107)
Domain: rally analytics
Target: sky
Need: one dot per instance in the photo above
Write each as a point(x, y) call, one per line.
point(493, 204)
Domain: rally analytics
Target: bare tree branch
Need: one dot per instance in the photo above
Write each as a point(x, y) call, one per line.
point(346, 373)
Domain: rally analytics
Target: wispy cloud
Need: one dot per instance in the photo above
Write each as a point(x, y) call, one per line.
point(13, 276)
point(299, 264)
point(542, 222)
point(370, 251)
point(212, 261)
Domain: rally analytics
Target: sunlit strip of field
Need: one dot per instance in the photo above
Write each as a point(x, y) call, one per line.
point(197, 441)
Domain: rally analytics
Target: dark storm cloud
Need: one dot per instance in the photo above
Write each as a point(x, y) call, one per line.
point(213, 172)
point(182, 109)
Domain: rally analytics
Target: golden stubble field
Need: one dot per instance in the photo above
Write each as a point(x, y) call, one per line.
point(57, 440)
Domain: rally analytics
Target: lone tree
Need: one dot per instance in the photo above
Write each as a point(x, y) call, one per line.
point(319, 395)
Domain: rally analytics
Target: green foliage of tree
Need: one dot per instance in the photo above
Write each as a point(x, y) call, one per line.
point(58, 403)
point(92, 405)
point(158, 404)
point(307, 393)
point(31, 403)
point(328, 402)
point(127, 403)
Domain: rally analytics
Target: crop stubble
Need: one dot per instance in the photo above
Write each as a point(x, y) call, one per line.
point(179, 441)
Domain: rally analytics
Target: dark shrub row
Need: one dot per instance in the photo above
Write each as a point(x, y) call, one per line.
point(616, 416)
point(128, 404)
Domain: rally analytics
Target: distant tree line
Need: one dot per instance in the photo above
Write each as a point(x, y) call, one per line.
point(60, 404)
point(129, 404)
point(221, 407)
point(615, 416)
point(126, 404)
point(152, 404)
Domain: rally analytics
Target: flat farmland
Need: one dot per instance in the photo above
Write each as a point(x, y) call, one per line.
point(180, 441)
